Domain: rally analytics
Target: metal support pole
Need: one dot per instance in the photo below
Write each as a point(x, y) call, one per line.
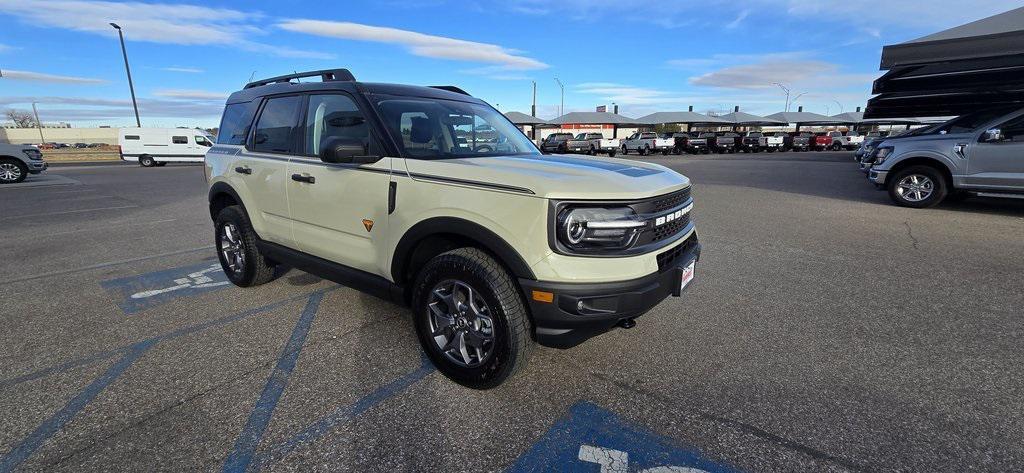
point(128, 70)
point(39, 124)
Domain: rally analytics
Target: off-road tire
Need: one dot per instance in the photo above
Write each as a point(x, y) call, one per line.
point(512, 341)
point(938, 194)
point(257, 269)
point(19, 166)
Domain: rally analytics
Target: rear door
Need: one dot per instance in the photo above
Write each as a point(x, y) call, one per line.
point(999, 163)
point(339, 212)
point(261, 166)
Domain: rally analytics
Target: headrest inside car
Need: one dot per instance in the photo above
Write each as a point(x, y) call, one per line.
point(420, 131)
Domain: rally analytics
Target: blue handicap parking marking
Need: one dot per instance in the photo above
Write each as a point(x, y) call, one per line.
point(592, 439)
point(137, 293)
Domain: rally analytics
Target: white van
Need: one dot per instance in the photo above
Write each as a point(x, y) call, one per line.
point(159, 146)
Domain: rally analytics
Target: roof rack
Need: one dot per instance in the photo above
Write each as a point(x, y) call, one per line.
point(326, 75)
point(450, 88)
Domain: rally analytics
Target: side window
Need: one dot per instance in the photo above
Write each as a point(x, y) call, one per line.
point(275, 127)
point(201, 140)
point(418, 137)
point(333, 116)
point(234, 125)
point(1012, 131)
point(179, 140)
point(131, 137)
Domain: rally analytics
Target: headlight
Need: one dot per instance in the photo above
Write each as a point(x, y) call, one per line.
point(882, 153)
point(598, 228)
point(33, 154)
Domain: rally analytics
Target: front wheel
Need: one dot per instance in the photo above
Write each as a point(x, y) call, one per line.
point(12, 171)
point(470, 318)
point(611, 153)
point(918, 187)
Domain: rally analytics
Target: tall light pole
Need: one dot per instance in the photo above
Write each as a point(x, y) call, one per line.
point(786, 90)
point(533, 108)
point(561, 107)
point(39, 124)
point(127, 69)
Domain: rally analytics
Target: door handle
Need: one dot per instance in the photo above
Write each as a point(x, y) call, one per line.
point(304, 178)
point(243, 170)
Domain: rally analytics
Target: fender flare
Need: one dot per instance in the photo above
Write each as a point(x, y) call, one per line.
point(219, 188)
point(461, 227)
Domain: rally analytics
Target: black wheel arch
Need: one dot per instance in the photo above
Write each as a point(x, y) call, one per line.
point(223, 195)
point(922, 161)
point(437, 235)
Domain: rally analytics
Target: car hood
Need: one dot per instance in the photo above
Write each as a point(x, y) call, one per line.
point(555, 176)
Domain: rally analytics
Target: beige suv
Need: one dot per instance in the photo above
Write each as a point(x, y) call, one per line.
point(431, 198)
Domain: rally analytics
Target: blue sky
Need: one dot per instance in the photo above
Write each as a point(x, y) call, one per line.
point(645, 56)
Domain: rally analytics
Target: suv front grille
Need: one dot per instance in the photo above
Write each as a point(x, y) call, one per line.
point(670, 229)
point(672, 200)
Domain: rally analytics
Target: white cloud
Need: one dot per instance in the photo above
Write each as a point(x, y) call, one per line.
point(53, 108)
point(762, 75)
point(28, 76)
point(418, 43)
point(6, 48)
point(739, 20)
point(153, 22)
point(932, 16)
point(191, 94)
point(188, 70)
point(630, 95)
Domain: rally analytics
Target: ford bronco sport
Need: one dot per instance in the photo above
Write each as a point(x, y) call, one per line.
point(368, 185)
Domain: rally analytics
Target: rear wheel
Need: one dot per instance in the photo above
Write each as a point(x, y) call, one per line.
point(836, 146)
point(470, 318)
point(239, 256)
point(918, 187)
point(12, 171)
point(645, 151)
point(147, 161)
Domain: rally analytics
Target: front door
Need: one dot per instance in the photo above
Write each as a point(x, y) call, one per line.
point(997, 162)
point(339, 212)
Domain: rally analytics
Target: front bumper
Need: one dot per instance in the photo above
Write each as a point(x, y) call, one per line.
point(36, 167)
point(580, 311)
point(877, 176)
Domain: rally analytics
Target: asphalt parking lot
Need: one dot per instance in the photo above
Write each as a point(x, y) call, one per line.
point(828, 331)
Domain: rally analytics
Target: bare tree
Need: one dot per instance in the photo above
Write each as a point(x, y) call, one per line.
point(21, 119)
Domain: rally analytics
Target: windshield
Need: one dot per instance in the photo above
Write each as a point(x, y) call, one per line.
point(443, 129)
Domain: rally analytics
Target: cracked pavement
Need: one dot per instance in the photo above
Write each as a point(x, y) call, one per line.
point(827, 330)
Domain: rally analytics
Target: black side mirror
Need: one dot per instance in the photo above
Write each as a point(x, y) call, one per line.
point(992, 136)
point(345, 151)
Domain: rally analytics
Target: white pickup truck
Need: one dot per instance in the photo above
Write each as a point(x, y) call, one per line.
point(592, 143)
point(850, 140)
point(647, 142)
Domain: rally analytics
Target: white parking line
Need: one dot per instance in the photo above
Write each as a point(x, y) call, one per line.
point(69, 212)
point(108, 263)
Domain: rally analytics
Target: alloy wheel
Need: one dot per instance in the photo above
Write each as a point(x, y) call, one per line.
point(915, 187)
point(231, 248)
point(9, 172)
point(461, 323)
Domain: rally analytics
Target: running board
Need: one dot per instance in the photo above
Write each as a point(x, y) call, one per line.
point(999, 195)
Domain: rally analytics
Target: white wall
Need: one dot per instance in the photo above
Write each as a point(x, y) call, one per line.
point(59, 135)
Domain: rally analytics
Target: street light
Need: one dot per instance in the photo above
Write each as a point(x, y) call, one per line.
point(561, 108)
point(128, 70)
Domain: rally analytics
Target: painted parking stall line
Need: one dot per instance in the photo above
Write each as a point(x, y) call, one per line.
point(590, 438)
point(137, 293)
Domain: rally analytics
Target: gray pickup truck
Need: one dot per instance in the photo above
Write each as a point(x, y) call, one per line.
point(980, 153)
point(18, 161)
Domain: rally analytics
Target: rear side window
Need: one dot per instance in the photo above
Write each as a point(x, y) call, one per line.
point(131, 137)
point(234, 126)
point(179, 140)
point(276, 125)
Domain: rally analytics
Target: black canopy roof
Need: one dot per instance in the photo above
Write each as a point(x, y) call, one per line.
point(952, 72)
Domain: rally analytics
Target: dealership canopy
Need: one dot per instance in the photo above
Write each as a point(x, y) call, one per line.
point(952, 72)
point(593, 118)
point(519, 118)
point(848, 118)
point(743, 118)
point(693, 118)
point(803, 118)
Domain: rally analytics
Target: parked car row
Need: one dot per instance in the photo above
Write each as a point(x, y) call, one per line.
point(978, 154)
point(53, 145)
point(701, 142)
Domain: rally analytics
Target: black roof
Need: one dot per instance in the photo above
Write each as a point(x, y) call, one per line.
point(953, 72)
point(257, 91)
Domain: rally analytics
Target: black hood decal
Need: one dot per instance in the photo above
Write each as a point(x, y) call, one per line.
point(631, 171)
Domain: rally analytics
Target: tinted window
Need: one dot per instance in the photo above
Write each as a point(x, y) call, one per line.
point(131, 137)
point(274, 129)
point(333, 116)
point(201, 140)
point(1012, 130)
point(969, 122)
point(179, 140)
point(234, 126)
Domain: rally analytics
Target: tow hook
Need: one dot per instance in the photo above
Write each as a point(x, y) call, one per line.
point(627, 323)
